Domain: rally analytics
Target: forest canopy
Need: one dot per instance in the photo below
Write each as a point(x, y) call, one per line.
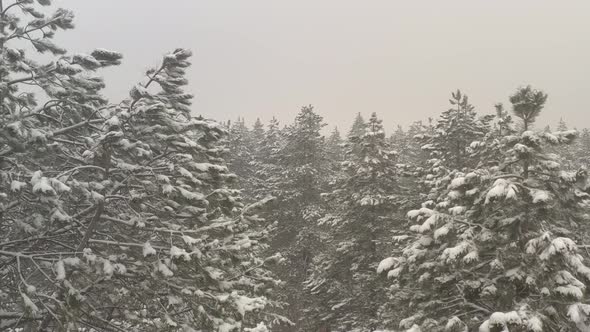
point(138, 215)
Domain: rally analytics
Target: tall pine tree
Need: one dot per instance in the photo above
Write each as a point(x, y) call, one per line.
point(496, 249)
point(364, 202)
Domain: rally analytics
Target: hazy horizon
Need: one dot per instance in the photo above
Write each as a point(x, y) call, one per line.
point(264, 58)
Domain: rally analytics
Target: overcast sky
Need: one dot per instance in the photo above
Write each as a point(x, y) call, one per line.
point(401, 59)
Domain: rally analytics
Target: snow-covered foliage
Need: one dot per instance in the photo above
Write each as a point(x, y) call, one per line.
point(494, 249)
point(362, 206)
point(118, 217)
point(456, 129)
point(136, 215)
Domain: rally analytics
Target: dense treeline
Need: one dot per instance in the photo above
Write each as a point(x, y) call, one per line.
point(136, 215)
point(468, 221)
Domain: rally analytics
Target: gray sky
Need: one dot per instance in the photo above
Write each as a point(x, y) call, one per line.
point(259, 58)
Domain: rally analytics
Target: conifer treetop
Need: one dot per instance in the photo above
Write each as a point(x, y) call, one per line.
point(527, 104)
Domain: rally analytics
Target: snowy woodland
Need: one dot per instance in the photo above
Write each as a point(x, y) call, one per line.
point(136, 215)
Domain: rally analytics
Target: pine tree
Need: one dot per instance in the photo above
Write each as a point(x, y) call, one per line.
point(496, 250)
point(257, 132)
point(267, 165)
point(334, 146)
point(303, 159)
point(568, 154)
point(241, 154)
point(250, 147)
point(450, 143)
point(300, 171)
point(117, 217)
point(454, 132)
point(68, 90)
point(198, 242)
point(358, 127)
point(503, 124)
point(412, 154)
point(356, 130)
point(272, 142)
point(399, 140)
point(583, 149)
point(273, 132)
point(527, 105)
point(256, 141)
point(497, 126)
point(561, 125)
point(364, 201)
point(42, 130)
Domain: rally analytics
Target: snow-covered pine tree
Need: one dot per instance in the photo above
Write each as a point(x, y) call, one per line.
point(568, 154)
point(47, 109)
point(265, 164)
point(174, 239)
point(503, 124)
point(358, 127)
point(583, 149)
point(399, 140)
point(255, 185)
point(303, 159)
point(363, 202)
point(299, 175)
point(527, 104)
point(335, 155)
point(484, 151)
point(412, 153)
point(61, 95)
point(144, 215)
point(562, 125)
point(413, 162)
point(272, 140)
point(496, 251)
point(449, 144)
point(455, 129)
point(356, 130)
point(240, 153)
point(257, 135)
point(117, 218)
point(334, 147)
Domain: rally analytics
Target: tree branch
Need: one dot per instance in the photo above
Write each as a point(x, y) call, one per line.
point(91, 226)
